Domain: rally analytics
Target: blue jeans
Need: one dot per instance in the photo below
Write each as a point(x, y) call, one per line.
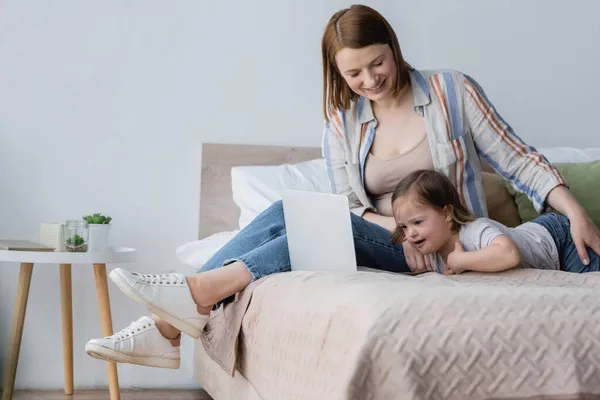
point(262, 246)
point(559, 227)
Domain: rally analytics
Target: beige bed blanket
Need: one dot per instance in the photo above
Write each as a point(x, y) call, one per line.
point(365, 335)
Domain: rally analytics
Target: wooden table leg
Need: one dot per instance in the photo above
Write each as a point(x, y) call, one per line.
point(66, 302)
point(17, 329)
point(106, 321)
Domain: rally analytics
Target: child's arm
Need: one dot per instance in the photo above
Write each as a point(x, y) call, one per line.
point(501, 254)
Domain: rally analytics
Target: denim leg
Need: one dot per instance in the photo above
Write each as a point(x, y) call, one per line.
point(569, 257)
point(555, 226)
point(262, 246)
point(559, 227)
point(374, 247)
point(572, 262)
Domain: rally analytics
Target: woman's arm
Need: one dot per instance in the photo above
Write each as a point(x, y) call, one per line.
point(583, 230)
point(334, 153)
point(561, 199)
point(527, 170)
point(501, 254)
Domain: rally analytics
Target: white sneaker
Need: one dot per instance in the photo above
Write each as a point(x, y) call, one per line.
point(166, 295)
point(140, 343)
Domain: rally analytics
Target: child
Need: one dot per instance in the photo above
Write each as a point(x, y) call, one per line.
point(430, 215)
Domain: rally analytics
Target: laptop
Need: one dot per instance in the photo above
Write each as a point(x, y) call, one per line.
point(319, 231)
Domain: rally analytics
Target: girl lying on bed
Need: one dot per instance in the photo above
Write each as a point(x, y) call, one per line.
point(430, 215)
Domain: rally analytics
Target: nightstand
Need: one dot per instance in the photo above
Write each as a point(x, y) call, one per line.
point(65, 260)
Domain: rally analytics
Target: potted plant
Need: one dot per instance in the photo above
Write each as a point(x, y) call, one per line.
point(99, 228)
point(76, 244)
point(75, 235)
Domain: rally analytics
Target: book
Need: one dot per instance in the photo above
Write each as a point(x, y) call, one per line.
point(23, 245)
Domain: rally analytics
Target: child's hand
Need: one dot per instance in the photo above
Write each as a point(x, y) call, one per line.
point(453, 264)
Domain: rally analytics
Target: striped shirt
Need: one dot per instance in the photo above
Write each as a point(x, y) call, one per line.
point(462, 126)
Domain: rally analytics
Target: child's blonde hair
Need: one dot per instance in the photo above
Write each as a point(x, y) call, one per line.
point(433, 189)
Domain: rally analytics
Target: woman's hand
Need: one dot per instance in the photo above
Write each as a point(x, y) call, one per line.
point(583, 230)
point(585, 234)
point(417, 262)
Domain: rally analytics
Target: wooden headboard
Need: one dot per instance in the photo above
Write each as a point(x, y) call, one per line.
point(218, 212)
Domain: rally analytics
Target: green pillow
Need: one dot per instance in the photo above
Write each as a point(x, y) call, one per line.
point(584, 182)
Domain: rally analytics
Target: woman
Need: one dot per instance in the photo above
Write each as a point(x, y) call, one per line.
point(384, 119)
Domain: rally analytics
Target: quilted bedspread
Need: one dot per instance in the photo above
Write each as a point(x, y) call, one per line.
point(365, 335)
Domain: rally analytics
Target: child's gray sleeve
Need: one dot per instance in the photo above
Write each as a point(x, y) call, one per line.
point(479, 234)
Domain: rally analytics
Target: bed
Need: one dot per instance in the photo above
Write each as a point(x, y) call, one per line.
point(374, 335)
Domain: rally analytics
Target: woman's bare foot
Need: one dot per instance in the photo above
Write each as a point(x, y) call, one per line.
point(207, 289)
point(203, 310)
point(210, 287)
point(168, 331)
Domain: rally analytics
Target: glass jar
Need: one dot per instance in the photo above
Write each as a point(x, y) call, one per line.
point(75, 236)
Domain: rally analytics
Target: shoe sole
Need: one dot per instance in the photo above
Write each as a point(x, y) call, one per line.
point(108, 354)
point(133, 295)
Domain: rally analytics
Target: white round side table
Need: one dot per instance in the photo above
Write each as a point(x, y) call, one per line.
point(65, 260)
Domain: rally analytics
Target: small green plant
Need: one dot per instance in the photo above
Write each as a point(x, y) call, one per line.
point(76, 240)
point(97, 218)
point(76, 244)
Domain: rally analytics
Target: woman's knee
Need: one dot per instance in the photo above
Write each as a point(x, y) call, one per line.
point(277, 219)
point(270, 220)
point(274, 214)
point(277, 207)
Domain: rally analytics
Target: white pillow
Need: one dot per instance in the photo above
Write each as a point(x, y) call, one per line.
point(255, 188)
point(570, 154)
point(198, 252)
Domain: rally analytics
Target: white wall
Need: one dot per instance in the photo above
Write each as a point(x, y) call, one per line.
point(104, 106)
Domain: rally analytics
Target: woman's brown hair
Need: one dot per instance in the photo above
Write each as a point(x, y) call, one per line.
point(434, 189)
point(355, 27)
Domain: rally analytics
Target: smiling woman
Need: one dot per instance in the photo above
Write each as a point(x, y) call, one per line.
point(385, 119)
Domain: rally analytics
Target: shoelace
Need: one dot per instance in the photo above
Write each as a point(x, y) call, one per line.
point(173, 278)
point(132, 328)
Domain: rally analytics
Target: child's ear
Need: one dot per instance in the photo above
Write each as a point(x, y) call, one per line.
point(449, 211)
